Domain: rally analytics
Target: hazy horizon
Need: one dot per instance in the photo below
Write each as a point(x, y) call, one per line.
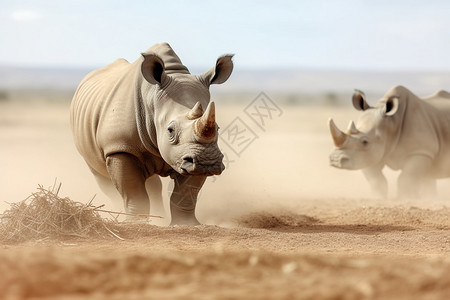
point(292, 81)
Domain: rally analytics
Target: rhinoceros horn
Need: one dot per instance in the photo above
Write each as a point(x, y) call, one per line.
point(205, 127)
point(339, 137)
point(351, 129)
point(195, 112)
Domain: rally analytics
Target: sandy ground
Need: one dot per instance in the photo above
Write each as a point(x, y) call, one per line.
point(279, 223)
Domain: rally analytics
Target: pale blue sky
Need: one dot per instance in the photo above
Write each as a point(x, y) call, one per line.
point(345, 34)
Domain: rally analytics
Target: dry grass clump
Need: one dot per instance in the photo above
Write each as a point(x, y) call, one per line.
point(44, 215)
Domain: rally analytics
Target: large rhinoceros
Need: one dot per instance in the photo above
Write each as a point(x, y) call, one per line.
point(134, 121)
point(402, 132)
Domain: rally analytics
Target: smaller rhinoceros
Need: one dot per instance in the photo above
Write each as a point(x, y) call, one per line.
point(402, 132)
point(132, 122)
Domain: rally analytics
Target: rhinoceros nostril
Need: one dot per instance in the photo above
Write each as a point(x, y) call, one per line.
point(187, 165)
point(188, 160)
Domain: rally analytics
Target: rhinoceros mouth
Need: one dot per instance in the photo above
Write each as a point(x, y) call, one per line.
point(206, 172)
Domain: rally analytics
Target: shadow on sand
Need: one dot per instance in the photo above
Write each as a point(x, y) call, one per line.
point(306, 224)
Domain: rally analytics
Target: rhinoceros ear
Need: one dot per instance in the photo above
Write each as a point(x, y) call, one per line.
point(359, 100)
point(152, 69)
point(392, 106)
point(221, 72)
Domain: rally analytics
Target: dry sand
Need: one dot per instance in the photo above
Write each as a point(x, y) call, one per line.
point(279, 223)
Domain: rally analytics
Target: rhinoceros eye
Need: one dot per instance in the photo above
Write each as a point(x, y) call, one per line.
point(172, 133)
point(365, 142)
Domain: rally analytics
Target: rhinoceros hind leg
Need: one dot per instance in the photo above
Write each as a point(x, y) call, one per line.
point(412, 177)
point(184, 199)
point(128, 176)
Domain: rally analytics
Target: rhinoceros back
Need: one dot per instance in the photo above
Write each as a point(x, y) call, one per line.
point(103, 114)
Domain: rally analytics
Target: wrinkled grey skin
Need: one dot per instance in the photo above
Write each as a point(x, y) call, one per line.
point(132, 122)
point(402, 132)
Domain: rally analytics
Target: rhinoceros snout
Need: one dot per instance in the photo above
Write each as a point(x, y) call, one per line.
point(339, 161)
point(190, 166)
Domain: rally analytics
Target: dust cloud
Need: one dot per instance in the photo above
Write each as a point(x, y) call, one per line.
point(285, 163)
point(282, 164)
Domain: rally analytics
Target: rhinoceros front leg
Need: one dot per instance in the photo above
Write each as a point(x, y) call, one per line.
point(184, 199)
point(413, 176)
point(128, 176)
point(377, 181)
point(153, 186)
point(429, 188)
